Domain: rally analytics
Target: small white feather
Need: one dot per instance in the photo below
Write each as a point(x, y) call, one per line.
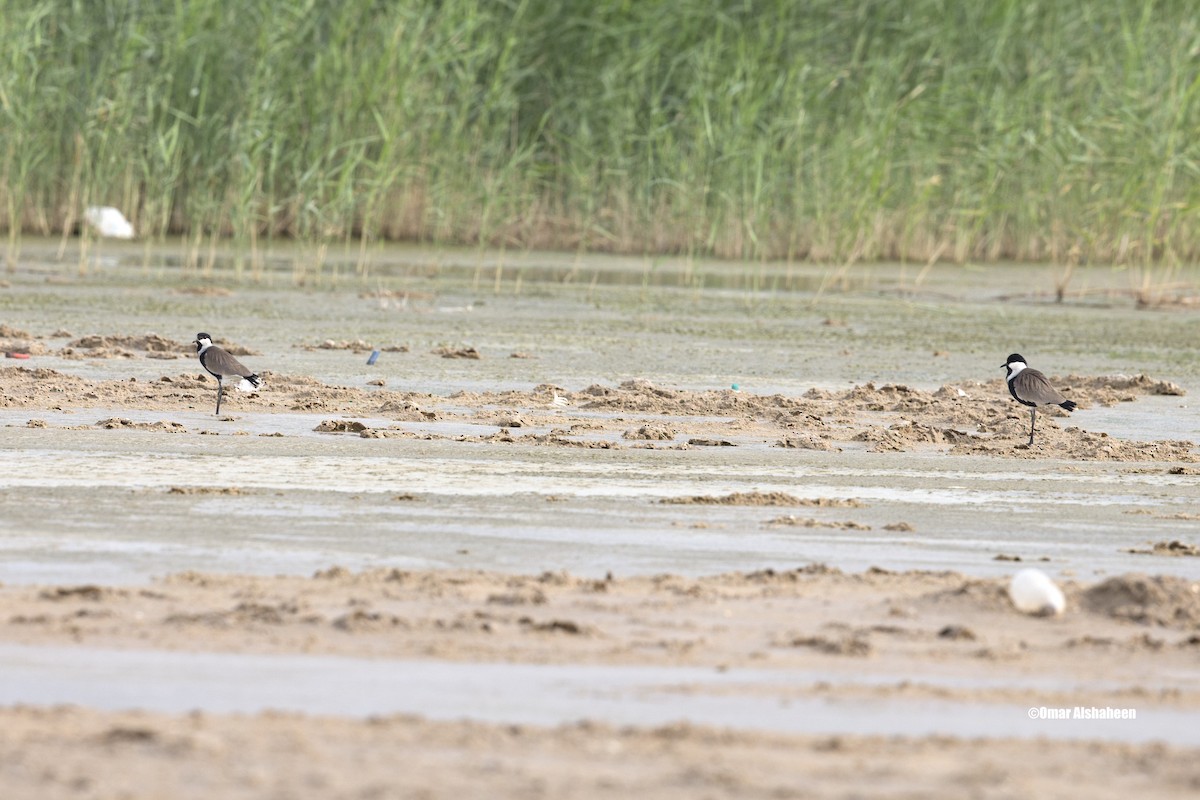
point(109, 222)
point(1033, 592)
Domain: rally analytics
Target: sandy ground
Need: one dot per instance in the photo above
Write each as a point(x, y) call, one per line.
point(293, 756)
point(290, 756)
point(791, 619)
point(1116, 634)
point(1130, 640)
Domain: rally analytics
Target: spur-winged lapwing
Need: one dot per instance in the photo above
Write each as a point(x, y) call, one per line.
point(221, 365)
point(1031, 388)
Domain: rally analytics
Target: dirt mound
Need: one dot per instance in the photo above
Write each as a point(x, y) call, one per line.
point(658, 433)
point(150, 342)
point(792, 521)
point(1171, 548)
point(234, 349)
point(889, 397)
point(1010, 440)
point(969, 418)
point(804, 442)
point(9, 332)
point(1107, 390)
point(33, 387)
point(15, 340)
point(1162, 600)
point(457, 352)
point(340, 426)
point(357, 346)
point(760, 499)
point(971, 595)
point(120, 423)
point(127, 346)
point(29, 386)
point(979, 418)
point(27, 346)
point(407, 410)
point(643, 396)
point(903, 435)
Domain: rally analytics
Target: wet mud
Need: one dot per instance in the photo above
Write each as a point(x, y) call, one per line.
point(584, 474)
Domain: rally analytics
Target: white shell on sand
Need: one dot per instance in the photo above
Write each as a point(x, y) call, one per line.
point(109, 221)
point(1033, 592)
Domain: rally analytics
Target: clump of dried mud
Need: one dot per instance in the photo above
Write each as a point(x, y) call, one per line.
point(1171, 548)
point(98, 346)
point(15, 340)
point(791, 520)
point(353, 345)
point(151, 344)
point(1154, 600)
point(762, 499)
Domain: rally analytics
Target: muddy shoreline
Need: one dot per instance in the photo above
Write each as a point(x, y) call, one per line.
point(563, 476)
point(969, 418)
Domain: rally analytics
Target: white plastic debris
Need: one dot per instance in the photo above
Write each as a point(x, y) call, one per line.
point(1033, 592)
point(109, 222)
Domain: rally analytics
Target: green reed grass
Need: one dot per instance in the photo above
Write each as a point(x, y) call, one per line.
point(840, 130)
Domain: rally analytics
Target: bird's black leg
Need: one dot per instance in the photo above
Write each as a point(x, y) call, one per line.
point(1032, 420)
point(221, 388)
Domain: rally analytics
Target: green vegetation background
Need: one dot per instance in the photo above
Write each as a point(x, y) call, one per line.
point(824, 130)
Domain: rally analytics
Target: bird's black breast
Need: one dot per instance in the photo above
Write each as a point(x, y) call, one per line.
point(204, 362)
point(1012, 389)
point(1031, 388)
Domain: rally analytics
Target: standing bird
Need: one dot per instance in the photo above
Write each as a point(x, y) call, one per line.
point(222, 365)
point(1031, 388)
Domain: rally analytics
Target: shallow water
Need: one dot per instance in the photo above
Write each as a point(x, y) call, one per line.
point(1148, 419)
point(84, 506)
point(544, 694)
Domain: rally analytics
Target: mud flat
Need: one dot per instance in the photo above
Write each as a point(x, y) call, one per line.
point(544, 547)
point(742, 682)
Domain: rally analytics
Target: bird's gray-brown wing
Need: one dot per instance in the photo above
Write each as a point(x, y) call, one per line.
point(218, 362)
point(1033, 387)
